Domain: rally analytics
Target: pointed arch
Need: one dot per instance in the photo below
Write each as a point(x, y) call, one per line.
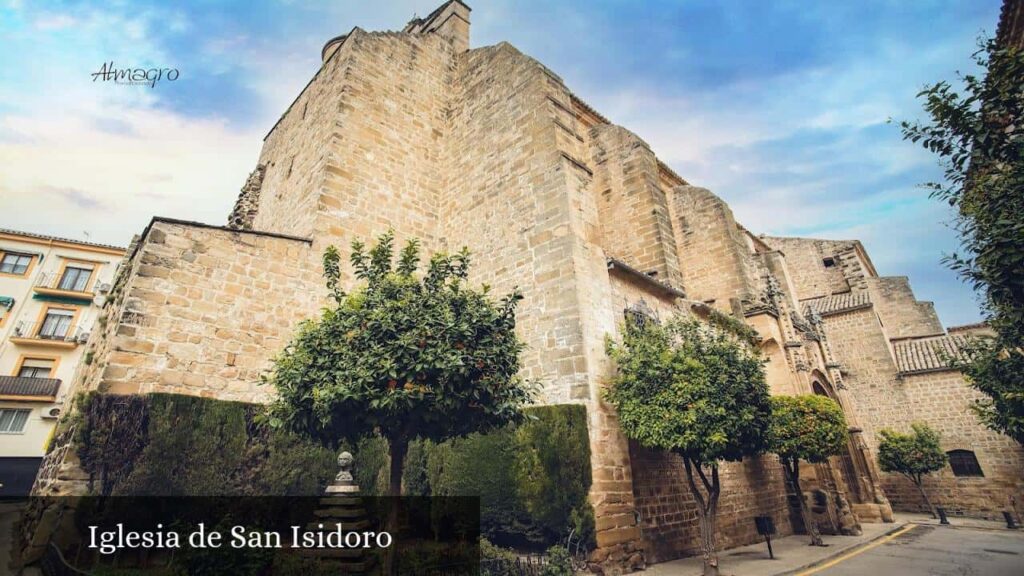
point(821, 386)
point(776, 369)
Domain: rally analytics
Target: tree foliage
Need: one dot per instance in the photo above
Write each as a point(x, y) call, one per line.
point(403, 356)
point(996, 369)
point(913, 455)
point(810, 428)
point(688, 388)
point(978, 134)
point(694, 390)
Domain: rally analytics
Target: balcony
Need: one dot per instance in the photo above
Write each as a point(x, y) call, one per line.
point(22, 389)
point(56, 285)
point(29, 334)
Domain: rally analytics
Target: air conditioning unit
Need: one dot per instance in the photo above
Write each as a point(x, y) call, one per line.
point(83, 337)
point(103, 288)
point(51, 413)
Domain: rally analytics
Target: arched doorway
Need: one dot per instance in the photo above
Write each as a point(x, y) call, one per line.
point(846, 461)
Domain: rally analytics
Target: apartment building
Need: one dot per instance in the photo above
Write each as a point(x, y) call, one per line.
point(51, 290)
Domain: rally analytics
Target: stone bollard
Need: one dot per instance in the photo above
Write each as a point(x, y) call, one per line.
point(1010, 522)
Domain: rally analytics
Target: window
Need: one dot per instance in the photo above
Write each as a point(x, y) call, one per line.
point(964, 463)
point(13, 421)
point(75, 278)
point(14, 263)
point(36, 368)
point(829, 262)
point(56, 324)
point(640, 314)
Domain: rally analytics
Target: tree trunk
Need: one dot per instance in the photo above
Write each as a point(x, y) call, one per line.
point(792, 468)
point(397, 450)
point(713, 493)
point(707, 509)
point(920, 488)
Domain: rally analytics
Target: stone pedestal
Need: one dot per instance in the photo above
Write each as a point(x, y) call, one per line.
point(342, 505)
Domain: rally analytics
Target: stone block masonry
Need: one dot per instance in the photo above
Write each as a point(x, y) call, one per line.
point(894, 355)
point(941, 399)
point(202, 310)
point(487, 148)
point(668, 512)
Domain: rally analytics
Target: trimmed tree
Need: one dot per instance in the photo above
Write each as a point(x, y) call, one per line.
point(697, 391)
point(403, 357)
point(808, 428)
point(914, 455)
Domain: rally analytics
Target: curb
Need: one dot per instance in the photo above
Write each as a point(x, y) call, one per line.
point(895, 528)
point(967, 527)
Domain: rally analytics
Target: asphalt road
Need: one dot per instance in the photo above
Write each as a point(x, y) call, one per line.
point(939, 551)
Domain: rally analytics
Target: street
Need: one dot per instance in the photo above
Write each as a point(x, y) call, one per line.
point(934, 551)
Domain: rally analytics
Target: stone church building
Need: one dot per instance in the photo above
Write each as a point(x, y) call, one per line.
point(487, 148)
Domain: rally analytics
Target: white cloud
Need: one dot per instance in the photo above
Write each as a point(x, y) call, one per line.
point(84, 155)
point(167, 165)
point(47, 22)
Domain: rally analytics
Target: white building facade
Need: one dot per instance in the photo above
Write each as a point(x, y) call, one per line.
point(51, 291)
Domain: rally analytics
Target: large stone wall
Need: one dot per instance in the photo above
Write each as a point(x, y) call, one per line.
point(668, 512)
point(810, 276)
point(885, 398)
point(635, 222)
point(203, 311)
point(943, 400)
point(903, 315)
point(714, 258)
point(510, 207)
point(868, 370)
point(359, 151)
point(293, 153)
point(383, 157)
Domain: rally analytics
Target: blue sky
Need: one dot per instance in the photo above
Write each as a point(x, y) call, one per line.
point(781, 108)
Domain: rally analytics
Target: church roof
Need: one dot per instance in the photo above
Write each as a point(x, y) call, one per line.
point(915, 356)
point(836, 303)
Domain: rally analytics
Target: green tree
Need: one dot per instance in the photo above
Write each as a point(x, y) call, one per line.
point(914, 455)
point(978, 135)
point(404, 356)
point(697, 391)
point(995, 368)
point(807, 428)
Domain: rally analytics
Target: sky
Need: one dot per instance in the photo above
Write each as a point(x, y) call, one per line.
point(781, 108)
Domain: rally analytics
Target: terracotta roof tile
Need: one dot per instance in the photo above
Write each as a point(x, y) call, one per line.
point(928, 354)
point(837, 303)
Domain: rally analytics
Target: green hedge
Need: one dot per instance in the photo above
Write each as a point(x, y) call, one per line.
point(168, 444)
point(532, 480)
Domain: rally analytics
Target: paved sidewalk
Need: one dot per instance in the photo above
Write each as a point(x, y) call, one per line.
point(954, 521)
point(791, 554)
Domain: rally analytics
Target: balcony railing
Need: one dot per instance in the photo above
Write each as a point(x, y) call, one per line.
point(34, 387)
point(52, 281)
point(34, 331)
